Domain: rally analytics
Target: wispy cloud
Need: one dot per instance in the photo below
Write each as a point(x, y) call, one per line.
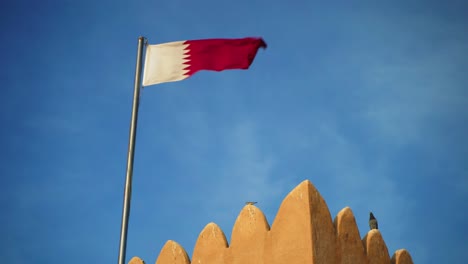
point(247, 171)
point(240, 170)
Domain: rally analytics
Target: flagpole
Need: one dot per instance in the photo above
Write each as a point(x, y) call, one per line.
point(131, 152)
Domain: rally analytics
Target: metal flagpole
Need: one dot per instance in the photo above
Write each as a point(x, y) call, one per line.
point(131, 152)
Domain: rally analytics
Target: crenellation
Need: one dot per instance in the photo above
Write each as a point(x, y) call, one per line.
point(302, 232)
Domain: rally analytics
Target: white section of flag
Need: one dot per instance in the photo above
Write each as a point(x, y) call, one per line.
point(165, 63)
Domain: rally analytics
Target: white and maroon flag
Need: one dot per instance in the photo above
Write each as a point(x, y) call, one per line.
point(175, 61)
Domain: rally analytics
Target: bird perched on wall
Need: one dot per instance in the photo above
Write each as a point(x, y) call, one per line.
point(373, 222)
point(250, 203)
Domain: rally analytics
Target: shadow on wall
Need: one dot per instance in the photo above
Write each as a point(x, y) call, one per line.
point(302, 232)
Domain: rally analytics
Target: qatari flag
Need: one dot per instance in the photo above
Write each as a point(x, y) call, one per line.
point(176, 61)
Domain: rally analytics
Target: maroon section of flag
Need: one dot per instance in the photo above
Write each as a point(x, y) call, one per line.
point(221, 54)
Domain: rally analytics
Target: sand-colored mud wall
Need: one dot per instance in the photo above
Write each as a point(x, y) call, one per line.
point(303, 232)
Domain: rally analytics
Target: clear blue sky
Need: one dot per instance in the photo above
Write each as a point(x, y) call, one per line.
point(367, 100)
